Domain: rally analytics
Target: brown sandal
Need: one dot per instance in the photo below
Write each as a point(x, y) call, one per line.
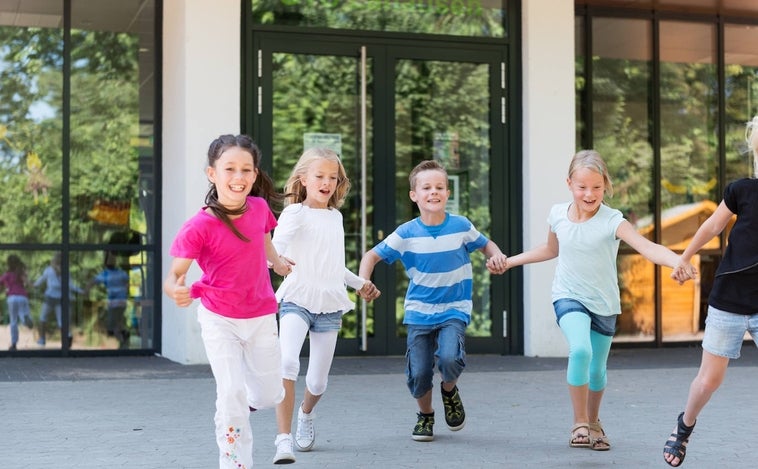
point(600, 443)
point(580, 440)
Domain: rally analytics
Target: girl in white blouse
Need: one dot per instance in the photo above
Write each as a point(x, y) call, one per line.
point(313, 297)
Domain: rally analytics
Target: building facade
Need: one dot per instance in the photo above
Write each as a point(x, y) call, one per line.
point(502, 93)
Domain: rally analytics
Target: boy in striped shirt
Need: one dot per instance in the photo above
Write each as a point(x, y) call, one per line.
point(435, 250)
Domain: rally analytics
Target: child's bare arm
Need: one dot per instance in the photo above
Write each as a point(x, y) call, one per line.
point(543, 252)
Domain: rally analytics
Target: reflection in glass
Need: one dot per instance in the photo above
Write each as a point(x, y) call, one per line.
point(316, 102)
point(475, 18)
point(108, 117)
point(689, 154)
point(112, 311)
point(109, 155)
point(31, 58)
point(622, 53)
point(41, 323)
point(741, 58)
point(442, 112)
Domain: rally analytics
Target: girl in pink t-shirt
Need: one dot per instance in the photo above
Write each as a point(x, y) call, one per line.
point(230, 238)
point(14, 281)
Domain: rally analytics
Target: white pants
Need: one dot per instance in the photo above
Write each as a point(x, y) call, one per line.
point(246, 362)
point(322, 344)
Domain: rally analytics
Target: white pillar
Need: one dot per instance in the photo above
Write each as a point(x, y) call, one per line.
point(201, 100)
point(548, 138)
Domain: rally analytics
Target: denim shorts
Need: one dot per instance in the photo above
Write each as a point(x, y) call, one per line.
point(322, 322)
point(725, 332)
point(605, 325)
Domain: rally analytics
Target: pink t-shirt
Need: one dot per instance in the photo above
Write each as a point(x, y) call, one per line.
point(14, 285)
point(235, 281)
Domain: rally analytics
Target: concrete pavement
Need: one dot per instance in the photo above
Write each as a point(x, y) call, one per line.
point(149, 413)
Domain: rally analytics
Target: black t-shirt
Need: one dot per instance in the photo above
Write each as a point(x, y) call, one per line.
point(735, 287)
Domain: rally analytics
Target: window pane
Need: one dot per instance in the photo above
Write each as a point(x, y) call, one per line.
point(622, 53)
point(741, 93)
point(111, 186)
point(689, 156)
point(112, 311)
point(442, 113)
point(330, 119)
point(31, 58)
point(476, 18)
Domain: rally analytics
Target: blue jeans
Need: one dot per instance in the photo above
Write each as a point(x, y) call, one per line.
point(444, 343)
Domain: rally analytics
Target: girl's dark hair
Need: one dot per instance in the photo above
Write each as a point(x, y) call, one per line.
point(15, 265)
point(263, 186)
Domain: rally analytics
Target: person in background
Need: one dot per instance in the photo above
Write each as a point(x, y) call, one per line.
point(115, 280)
point(51, 302)
point(14, 282)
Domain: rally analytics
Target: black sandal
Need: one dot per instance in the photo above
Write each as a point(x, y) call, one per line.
point(678, 446)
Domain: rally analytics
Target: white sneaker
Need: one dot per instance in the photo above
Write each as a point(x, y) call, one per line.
point(306, 434)
point(284, 453)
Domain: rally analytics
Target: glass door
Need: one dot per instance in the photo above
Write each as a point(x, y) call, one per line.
point(385, 107)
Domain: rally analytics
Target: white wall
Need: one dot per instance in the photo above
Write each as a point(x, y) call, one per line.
point(548, 134)
point(201, 100)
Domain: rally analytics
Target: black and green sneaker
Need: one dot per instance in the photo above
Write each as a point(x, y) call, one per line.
point(455, 416)
point(424, 429)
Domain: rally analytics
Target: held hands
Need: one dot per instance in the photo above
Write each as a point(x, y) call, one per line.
point(683, 271)
point(497, 264)
point(181, 293)
point(284, 266)
point(369, 291)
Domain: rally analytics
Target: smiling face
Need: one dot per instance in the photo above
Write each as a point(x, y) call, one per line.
point(431, 192)
point(588, 188)
point(320, 182)
point(233, 174)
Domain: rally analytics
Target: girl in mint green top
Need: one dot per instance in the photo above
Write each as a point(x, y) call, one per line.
point(584, 235)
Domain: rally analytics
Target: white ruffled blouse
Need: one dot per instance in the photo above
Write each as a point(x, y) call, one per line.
point(315, 240)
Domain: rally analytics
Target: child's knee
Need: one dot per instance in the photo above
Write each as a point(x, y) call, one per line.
point(290, 367)
point(419, 381)
point(316, 385)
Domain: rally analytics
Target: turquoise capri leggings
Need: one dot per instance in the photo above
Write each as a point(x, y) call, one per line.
point(589, 339)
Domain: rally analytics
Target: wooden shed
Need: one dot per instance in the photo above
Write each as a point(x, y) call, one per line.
point(682, 305)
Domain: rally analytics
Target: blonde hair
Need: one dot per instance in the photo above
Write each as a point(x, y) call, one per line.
point(590, 159)
point(751, 136)
point(295, 191)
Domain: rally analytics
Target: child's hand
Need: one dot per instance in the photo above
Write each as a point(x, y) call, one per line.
point(369, 291)
point(683, 271)
point(284, 266)
point(181, 293)
point(497, 264)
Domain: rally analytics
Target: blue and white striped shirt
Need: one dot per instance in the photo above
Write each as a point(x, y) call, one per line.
point(437, 261)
